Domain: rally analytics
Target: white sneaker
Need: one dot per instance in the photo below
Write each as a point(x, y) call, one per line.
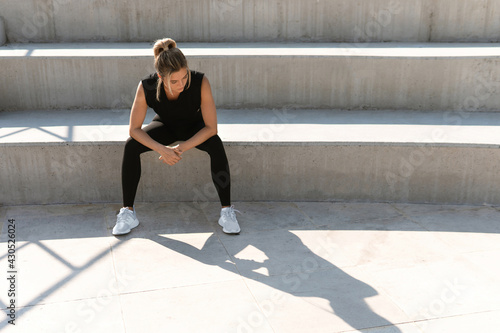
point(228, 220)
point(125, 221)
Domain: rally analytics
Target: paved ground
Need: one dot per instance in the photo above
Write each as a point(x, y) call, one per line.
point(295, 267)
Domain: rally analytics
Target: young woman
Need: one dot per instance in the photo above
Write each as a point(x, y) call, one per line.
point(185, 112)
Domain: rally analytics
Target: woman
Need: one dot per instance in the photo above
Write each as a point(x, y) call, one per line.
point(185, 111)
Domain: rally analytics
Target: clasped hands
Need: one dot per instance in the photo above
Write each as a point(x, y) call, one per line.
point(170, 154)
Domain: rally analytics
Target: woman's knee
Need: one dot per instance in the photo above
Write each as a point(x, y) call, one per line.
point(131, 143)
point(134, 146)
point(213, 143)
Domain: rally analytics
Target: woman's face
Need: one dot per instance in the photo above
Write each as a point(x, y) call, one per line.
point(178, 80)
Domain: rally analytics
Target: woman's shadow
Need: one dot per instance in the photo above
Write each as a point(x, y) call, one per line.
point(309, 275)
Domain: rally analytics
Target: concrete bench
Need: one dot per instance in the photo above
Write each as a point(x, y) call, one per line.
point(74, 156)
point(253, 20)
point(396, 76)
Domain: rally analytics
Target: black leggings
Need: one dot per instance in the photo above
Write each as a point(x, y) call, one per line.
point(131, 165)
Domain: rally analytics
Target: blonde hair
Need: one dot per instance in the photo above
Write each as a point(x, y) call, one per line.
point(168, 60)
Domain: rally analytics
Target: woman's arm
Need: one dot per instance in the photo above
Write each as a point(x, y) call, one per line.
point(209, 114)
point(137, 116)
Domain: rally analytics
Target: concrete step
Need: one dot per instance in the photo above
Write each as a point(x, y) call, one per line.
point(304, 155)
point(398, 76)
point(253, 20)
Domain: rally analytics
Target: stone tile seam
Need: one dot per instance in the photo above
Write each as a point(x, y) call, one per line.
point(105, 217)
point(457, 315)
point(381, 290)
point(463, 208)
point(369, 329)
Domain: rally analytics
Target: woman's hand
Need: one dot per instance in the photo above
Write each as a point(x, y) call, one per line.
point(179, 149)
point(168, 155)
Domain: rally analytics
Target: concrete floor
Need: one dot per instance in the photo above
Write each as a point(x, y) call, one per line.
point(295, 267)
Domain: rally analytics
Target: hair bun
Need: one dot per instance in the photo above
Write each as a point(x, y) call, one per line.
point(164, 44)
point(171, 43)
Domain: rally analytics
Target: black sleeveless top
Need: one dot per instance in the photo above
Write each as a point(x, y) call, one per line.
point(185, 111)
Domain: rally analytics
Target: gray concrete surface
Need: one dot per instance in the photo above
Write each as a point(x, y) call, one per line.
point(395, 76)
point(478, 129)
point(3, 35)
point(253, 20)
point(295, 267)
point(303, 155)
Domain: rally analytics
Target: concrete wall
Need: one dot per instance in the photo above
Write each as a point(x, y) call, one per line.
point(252, 20)
point(34, 174)
point(3, 36)
point(338, 82)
